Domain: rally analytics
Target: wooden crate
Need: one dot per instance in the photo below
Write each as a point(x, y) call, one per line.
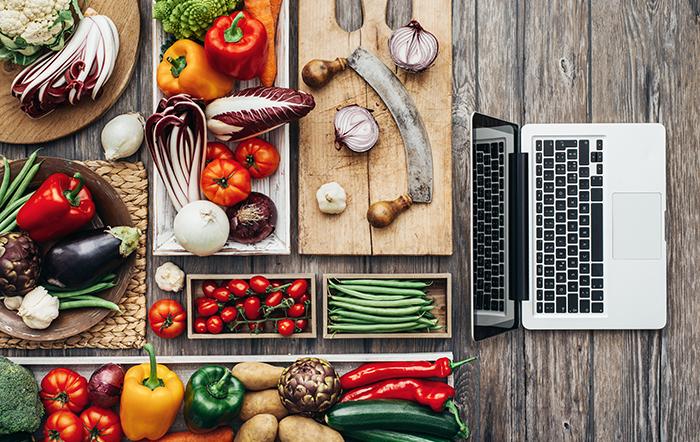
point(440, 291)
point(277, 186)
point(193, 289)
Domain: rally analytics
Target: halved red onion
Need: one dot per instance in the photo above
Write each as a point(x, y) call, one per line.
point(412, 48)
point(81, 68)
point(355, 128)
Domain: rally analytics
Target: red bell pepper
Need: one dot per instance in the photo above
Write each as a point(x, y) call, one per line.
point(236, 45)
point(61, 205)
point(379, 371)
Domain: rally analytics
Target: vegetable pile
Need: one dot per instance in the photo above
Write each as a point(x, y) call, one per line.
point(253, 306)
point(380, 306)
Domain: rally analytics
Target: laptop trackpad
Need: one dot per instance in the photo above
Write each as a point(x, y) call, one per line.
point(637, 231)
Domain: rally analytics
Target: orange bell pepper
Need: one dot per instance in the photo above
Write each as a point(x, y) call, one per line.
point(186, 70)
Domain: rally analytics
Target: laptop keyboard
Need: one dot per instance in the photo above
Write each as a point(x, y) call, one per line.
point(489, 220)
point(569, 226)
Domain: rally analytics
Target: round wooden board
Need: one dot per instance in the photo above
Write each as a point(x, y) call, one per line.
point(17, 128)
point(111, 211)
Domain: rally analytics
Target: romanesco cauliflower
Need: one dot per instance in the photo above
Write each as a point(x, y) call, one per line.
point(190, 18)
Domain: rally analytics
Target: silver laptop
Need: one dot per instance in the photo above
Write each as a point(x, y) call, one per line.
point(567, 226)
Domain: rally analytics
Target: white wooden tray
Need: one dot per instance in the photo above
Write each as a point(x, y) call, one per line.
point(277, 187)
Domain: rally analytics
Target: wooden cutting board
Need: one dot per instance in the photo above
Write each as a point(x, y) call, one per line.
point(425, 229)
point(17, 128)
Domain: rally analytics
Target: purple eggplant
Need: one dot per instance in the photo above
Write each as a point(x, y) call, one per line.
point(85, 257)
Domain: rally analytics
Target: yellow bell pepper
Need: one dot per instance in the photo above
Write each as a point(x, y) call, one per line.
point(185, 69)
point(150, 400)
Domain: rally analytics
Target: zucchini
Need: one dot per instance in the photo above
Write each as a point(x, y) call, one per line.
point(389, 436)
point(393, 415)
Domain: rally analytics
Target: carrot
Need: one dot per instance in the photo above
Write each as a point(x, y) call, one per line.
point(275, 7)
point(262, 10)
point(223, 434)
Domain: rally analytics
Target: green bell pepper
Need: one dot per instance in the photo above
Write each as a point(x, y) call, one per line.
point(213, 397)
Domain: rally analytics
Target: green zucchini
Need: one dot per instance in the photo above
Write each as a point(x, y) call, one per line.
point(393, 415)
point(390, 436)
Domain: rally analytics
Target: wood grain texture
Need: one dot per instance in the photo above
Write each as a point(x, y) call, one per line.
point(16, 127)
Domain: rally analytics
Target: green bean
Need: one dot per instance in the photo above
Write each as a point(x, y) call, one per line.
point(383, 290)
point(383, 304)
point(20, 177)
point(348, 314)
point(88, 302)
point(14, 206)
point(9, 228)
point(5, 178)
point(378, 328)
point(387, 283)
point(338, 320)
point(9, 220)
point(403, 311)
point(368, 296)
point(86, 291)
point(19, 193)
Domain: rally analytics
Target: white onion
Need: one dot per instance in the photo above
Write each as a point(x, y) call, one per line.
point(413, 48)
point(201, 227)
point(122, 136)
point(356, 128)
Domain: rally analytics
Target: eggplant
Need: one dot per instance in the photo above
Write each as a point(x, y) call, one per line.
point(83, 258)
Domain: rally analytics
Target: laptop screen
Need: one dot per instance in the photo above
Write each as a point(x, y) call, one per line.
point(494, 307)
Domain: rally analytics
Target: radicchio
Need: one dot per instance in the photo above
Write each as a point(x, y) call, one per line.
point(251, 112)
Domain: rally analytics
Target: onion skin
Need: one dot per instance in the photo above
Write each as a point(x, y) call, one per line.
point(412, 48)
point(251, 232)
point(105, 386)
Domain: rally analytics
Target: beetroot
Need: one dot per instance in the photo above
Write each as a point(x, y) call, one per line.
point(253, 219)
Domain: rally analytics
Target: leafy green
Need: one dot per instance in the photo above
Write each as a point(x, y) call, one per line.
point(20, 407)
point(191, 18)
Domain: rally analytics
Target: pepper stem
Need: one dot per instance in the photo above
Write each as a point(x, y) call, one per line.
point(152, 381)
point(458, 364)
point(234, 33)
point(463, 428)
point(177, 65)
point(218, 389)
point(72, 195)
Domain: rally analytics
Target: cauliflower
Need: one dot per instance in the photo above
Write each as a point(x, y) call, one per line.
point(28, 26)
point(190, 18)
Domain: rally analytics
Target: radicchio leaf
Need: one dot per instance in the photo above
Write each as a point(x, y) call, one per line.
point(251, 112)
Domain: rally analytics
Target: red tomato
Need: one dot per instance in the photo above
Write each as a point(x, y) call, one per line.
point(300, 325)
point(260, 284)
point(256, 327)
point(303, 299)
point(101, 425)
point(200, 325)
point(229, 314)
point(64, 389)
point(238, 287)
point(207, 307)
point(225, 182)
point(251, 307)
point(216, 150)
point(298, 288)
point(274, 299)
point(259, 157)
point(167, 318)
point(208, 288)
point(285, 327)
point(215, 325)
point(297, 310)
point(63, 426)
point(222, 294)
point(239, 304)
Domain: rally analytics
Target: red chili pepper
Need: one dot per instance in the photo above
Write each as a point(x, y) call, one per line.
point(61, 205)
point(379, 371)
point(236, 45)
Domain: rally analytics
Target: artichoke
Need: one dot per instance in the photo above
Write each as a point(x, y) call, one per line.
point(20, 264)
point(309, 387)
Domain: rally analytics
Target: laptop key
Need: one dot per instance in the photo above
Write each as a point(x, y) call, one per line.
point(585, 292)
point(561, 304)
point(597, 307)
point(597, 295)
point(583, 152)
point(597, 181)
point(585, 306)
point(549, 295)
point(572, 301)
point(548, 148)
point(540, 307)
point(549, 307)
point(597, 283)
point(597, 232)
point(596, 194)
point(597, 270)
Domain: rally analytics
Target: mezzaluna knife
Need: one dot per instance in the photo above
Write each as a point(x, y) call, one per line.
point(419, 157)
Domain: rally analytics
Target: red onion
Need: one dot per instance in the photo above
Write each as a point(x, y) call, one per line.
point(252, 220)
point(413, 48)
point(177, 137)
point(251, 112)
point(355, 128)
point(81, 68)
point(105, 385)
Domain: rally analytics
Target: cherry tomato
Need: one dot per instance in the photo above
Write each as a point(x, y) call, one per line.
point(167, 318)
point(274, 299)
point(216, 150)
point(256, 327)
point(303, 299)
point(222, 294)
point(298, 288)
point(238, 287)
point(215, 325)
point(64, 389)
point(229, 314)
point(285, 327)
point(260, 284)
point(208, 287)
point(296, 310)
point(239, 305)
point(198, 300)
point(101, 425)
point(63, 426)
point(207, 307)
point(259, 157)
point(200, 325)
point(251, 307)
point(300, 325)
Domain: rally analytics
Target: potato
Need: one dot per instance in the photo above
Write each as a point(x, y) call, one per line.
point(262, 402)
point(257, 376)
point(305, 429)
point(260, 428)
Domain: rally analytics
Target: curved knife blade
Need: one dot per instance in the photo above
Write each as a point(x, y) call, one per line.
point(419, 156)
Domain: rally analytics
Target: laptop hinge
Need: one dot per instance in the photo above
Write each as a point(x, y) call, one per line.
point(519, 244)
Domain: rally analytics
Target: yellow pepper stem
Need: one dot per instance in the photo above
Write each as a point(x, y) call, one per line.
point(153, 381)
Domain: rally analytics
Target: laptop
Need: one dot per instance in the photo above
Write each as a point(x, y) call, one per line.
point(568, 226)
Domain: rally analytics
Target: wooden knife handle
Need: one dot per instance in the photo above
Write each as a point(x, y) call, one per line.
point(317, 73)
point(383, 213)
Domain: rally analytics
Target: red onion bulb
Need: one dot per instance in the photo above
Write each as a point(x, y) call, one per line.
point(355, 128)
point(105, 386)
point(413, 48)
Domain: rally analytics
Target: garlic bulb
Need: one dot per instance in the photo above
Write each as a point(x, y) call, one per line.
point(412, 48)
point(122, 136)
point(12, 302)
point(38, 309)
point(170, 277)
point(331, 198)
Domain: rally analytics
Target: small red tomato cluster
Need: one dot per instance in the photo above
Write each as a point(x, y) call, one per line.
point(253, 306)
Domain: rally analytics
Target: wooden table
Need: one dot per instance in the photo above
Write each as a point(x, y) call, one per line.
point(534, 61)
